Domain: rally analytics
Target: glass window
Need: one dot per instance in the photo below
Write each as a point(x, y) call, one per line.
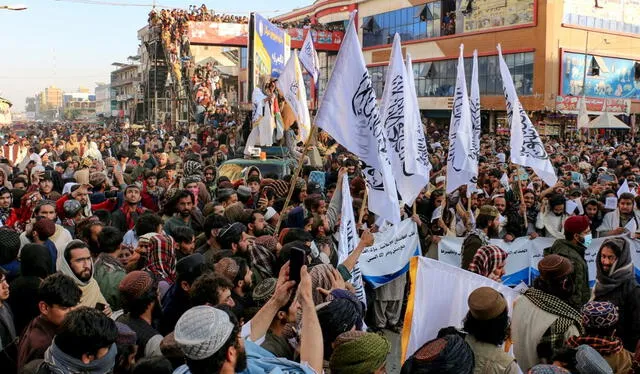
point(417, 22)
point(440, 76)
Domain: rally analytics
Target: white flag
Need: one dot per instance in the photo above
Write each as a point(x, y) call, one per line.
point(583, 115)
point(419, 144)
point(349, 113)
point(349, 239)
point(459, 163)
point(527, 148)
point(309, 58)
point(474, 103)
point(291, 86)
point(398, 116)
point(624, 188)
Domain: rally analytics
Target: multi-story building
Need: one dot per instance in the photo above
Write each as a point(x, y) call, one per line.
point(553, 50)
point(125, 98)
point(51, 98)
point(79, 105)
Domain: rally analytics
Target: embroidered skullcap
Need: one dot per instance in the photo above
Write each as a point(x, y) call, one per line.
point(228, 268)
point(45, 228)
point(589, 361)
point(71, 208)
point(264, 290)
point(135, 284)
point(599, 314)
point(202, 331)
point(449, 354)
point(268, 241)
point(554, 267)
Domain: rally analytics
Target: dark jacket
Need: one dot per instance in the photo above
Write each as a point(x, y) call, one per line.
point(575, 254)
point(36, 265)
point(470, 246)
point(627, 298)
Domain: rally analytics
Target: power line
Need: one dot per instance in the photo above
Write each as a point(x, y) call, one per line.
point(155, 5)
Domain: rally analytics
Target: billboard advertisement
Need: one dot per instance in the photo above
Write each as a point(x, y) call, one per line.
point(323, 40)
point(218, 33)
point(607, 77)
point(270, 48)
point(489, 14)
point(621, 16)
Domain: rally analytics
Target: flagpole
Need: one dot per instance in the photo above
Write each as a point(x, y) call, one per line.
point(294, 178)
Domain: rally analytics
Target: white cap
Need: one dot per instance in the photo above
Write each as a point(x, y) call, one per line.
point(269, 213)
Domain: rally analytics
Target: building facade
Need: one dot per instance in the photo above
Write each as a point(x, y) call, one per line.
point(124, 95)
point(549, 46)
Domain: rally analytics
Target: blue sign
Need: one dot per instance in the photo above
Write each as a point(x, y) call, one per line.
point(607, 77)
point(271, 48)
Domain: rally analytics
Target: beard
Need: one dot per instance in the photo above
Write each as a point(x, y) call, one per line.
point(241, 363)
point(185, 213)
point(84, 276)
point(492, 232)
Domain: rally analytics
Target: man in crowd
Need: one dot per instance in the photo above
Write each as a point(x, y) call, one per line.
point(577, 238)
point(542, 321)
point(125, 218)
point(624, 218)
point(77, 263)
point(85, 342)
point(487, 225)
point(109, 271)
point(57, 296)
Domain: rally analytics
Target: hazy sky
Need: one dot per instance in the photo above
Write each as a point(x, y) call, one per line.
point(71, 43)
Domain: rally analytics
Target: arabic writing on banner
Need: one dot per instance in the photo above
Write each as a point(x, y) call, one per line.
point(524, 255)
point(389, 257)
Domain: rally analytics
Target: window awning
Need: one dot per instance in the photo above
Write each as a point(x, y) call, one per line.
point(601, 64)
point(425, 13)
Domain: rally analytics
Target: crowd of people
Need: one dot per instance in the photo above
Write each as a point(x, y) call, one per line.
point(127, 251)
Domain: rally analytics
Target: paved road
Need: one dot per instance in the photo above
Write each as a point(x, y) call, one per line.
point(393, 359)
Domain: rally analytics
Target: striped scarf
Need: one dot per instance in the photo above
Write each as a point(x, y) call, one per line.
point(567, 316)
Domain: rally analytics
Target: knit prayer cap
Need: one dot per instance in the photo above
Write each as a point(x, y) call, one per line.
point(358, 352)
point(268, 241)
point(447, 355)
point(202, 331)
point(264, 290)
point(589, 361)
point(45, 228)
point(553, 267)
point(9, 245)
point(485, 303)
point(228, 268)
point(547, 369)
point(599, 314)
point(576, 224)
point(135, 284)
point(126, 336)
